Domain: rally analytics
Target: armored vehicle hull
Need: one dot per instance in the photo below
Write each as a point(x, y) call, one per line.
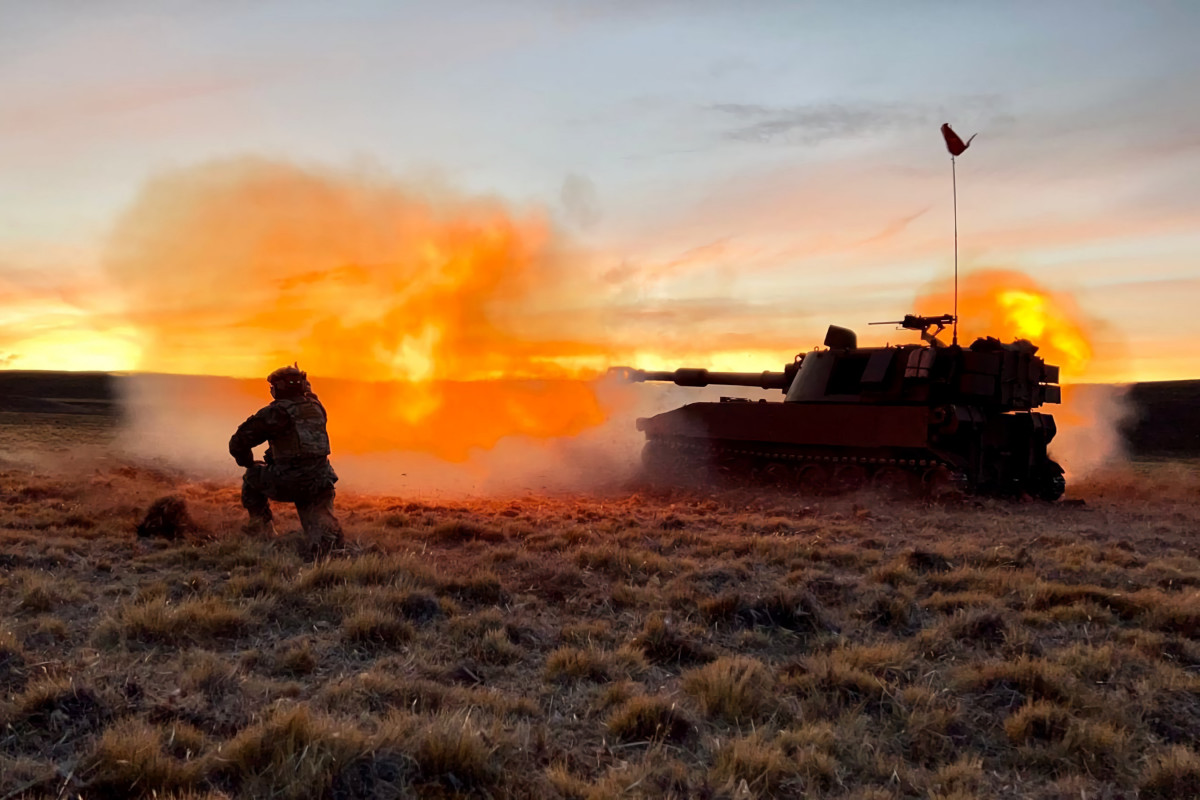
point(933, 418)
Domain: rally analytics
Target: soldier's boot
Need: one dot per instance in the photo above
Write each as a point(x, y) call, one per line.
point(259, 527)
point(256, 503)
point(322, 532)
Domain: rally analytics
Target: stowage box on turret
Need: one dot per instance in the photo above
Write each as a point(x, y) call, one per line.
point(942, 415)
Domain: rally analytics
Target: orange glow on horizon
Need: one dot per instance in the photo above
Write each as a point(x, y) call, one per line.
point(67, 350)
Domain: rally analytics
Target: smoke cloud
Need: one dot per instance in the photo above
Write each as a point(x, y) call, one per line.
point(1089, 424)
point(430, 322)
point(186, 421)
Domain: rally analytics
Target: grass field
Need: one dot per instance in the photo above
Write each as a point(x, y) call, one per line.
point(639, 644)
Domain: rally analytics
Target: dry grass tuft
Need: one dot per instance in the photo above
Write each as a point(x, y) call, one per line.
point(948, 603)
point(586, 632)
point(159, 622)
point(374, 629)
point(53, 710)
point(128, 761)
point(1181, 615)
point(1038, 721)
point(648, 718)
point(594, 664)
point(963, 778)
point(928, 561)
point(1007, 684)
point(986, 627)
point(495, 647)
point(371, 569)
point(1172, 706)
point(1048, 733)
point(39, 593)
point(795, 611)
point(459, 531)
point(664, 643)
point(378, 692)
point(295, 660)
point(167, 518)
point(292, 754)
point(208, 673)
point(735, 688)
point(625, 564)
point(183, 741)
point(451, 752)
point(479, 588)
point(657, 775)
point(1173, 775)
point(889, 609)
point(757, 762)
point(555, 584)
point(12, 663)
point(419, 608)
point(832, 684)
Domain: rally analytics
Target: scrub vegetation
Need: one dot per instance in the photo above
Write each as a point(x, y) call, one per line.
point(640, 644)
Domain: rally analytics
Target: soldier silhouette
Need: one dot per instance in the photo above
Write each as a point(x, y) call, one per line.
point(296, 467)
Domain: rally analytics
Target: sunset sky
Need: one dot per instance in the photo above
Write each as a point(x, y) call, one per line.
point(700, 180)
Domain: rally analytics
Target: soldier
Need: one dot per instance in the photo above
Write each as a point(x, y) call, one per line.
point(297, 468)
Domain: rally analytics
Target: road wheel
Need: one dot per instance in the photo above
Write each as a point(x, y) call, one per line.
point(812, 479)
point(1048, 484)
point(941, 486)
point(776, 475)
point(848, 477)
point(892, 482)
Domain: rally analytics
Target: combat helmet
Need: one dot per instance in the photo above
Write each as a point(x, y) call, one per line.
point(289, 381)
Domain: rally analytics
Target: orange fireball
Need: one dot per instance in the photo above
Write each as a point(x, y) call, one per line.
point(404, 304)
point(1011, 305)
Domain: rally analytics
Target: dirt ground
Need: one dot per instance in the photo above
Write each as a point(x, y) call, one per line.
point(638, 643)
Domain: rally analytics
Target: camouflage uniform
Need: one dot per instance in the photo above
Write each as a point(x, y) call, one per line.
point(297, 468)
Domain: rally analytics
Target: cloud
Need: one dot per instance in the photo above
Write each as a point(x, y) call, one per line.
point(817, 123)
point(813, 124)
point(895, 227)
point(700, 256)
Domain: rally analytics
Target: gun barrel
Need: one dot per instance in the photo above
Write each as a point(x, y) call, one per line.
point(688, 376)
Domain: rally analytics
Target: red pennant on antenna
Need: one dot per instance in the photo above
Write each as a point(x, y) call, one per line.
point(955, 145)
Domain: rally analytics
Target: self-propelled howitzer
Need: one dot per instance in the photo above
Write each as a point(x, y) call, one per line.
point(942, 415)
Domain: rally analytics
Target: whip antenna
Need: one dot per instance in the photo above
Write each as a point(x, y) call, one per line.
point(957, 147)
point(954, 188)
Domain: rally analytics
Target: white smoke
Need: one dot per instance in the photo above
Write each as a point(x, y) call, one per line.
point(184, 422)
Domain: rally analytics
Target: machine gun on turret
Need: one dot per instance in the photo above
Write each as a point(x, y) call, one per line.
point(914, 322)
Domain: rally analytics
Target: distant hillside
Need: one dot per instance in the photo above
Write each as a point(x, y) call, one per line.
point(1165, 419)
point(59, 392)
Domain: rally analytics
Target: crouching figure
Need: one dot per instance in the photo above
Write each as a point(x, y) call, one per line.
point(296, 469)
